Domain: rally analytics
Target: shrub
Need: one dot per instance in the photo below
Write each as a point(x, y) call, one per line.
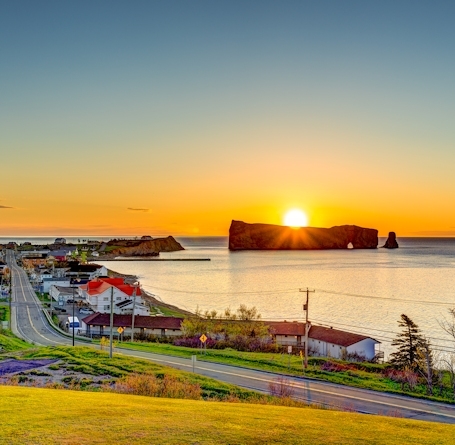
point(404, 377)
point(152, 386)
point(238, 343)
point(281, 387)
point(334, 367)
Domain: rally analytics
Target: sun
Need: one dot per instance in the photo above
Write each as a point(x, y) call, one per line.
point(295, 218)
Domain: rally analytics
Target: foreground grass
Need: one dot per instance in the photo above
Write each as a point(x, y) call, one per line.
point(69, 417)
point(9, 342)
point(360, 375)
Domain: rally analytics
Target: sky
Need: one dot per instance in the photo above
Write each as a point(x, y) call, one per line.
point(176, 117)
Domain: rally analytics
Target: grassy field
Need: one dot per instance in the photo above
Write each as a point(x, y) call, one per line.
point(9, 342)
point(359, 375)
point(46, 416)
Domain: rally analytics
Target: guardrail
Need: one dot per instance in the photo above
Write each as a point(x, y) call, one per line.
point(61, 331)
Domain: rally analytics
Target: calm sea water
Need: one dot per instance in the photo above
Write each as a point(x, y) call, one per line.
point(363, 291)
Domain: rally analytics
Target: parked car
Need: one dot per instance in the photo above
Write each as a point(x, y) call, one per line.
point(70, 301)
point(59, 309)
point(86, 310)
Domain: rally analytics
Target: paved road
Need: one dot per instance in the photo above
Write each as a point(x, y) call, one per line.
point(27, 318)
point(30, 324)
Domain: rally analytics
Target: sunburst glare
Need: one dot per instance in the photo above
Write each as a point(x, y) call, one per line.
point(295, 218)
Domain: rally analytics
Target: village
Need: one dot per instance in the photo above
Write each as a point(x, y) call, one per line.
point(85, 299)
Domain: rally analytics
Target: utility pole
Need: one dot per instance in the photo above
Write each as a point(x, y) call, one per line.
point(111, 323)
point(132, 317)
point(72, 290)
point(10, 294)
point(307, 324)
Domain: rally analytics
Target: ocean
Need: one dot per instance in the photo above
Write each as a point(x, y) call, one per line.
point(363, 291)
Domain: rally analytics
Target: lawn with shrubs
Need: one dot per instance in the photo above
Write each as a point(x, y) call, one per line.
point(141, 377)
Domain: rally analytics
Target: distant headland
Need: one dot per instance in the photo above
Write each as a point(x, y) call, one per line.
point(244, 236)
point(145, 247)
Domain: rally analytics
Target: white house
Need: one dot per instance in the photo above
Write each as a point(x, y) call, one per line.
point(323, 341)
point(329, 342)
point(97, 294)
point(56, 281)
point(62, 293)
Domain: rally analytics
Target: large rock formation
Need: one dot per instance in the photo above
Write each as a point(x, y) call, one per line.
point(243, 236)
point(131, 248)
point(391, 242)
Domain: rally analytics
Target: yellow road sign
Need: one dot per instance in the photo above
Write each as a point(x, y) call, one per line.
point(203, 338)
point(120, 330)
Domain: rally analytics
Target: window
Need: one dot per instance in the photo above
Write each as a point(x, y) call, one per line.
point(107, 307)
point(106, 299)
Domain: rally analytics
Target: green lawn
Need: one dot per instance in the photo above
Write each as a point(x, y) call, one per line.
point(77, 417)
point(9, 342)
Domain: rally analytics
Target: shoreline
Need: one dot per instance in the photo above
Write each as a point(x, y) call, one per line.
point(149, 297)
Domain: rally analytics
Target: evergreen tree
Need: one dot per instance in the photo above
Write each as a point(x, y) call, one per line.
point(410, 343)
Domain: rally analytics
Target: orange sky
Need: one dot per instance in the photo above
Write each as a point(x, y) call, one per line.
point(133, 121)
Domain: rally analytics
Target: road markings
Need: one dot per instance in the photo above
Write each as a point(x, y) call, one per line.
point(41, 335)
point(19, 275)
point(297, 385)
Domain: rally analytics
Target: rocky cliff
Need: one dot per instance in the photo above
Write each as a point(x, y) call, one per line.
point(131, 248)
point(243, 236)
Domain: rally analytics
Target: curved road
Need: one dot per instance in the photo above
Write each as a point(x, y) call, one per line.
point(29, 323)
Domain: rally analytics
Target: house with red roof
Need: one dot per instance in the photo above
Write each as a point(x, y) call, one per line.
point(323, 341)
point(99, 324)
point(97, 295)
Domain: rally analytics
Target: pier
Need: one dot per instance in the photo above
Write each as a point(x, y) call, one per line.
point(151, 259)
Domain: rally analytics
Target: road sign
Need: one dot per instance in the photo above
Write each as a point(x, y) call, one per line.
point(203, 338)
point(289, 349)
point(120, 330)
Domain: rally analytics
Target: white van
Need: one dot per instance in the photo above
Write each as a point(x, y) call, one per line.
point(73, 323)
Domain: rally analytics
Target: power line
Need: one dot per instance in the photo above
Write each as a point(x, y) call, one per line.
point(434, 346)
point(222, 293)
point(386, 298)
point(382, 330)
point(285, 291)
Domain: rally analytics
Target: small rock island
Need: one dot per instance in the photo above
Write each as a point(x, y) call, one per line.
point(391, 242)
point(244, 236)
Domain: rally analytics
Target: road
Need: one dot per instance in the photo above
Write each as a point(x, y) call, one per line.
point(30, 324)
point(27, 318)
